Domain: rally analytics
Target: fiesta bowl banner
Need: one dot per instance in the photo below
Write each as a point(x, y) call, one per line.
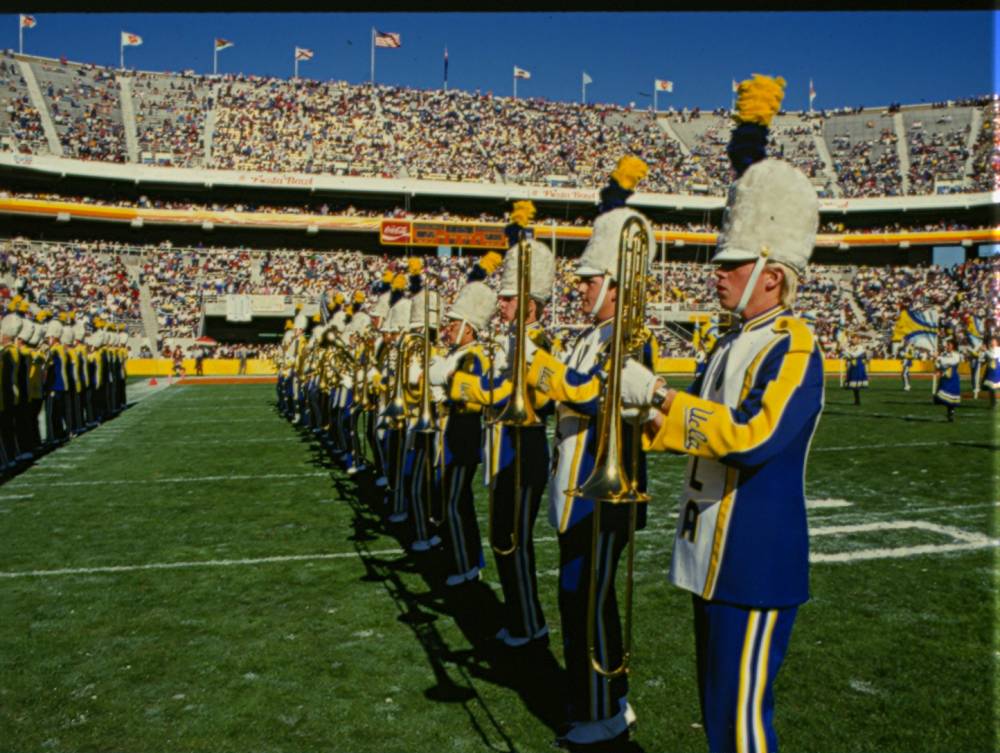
point(433, 233)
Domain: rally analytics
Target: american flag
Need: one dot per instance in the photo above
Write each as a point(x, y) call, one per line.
point(130, 40)
point(27, 22)
point(812, 92)
point(387, 39)
point(663, 86)
point(301, 53)
point(222, 44)
point(521, 73)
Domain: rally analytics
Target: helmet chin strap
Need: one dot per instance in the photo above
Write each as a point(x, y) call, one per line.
point(605, 285)
point(758, 267)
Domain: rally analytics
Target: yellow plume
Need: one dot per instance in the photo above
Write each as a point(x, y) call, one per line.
point(316, 319)
point(399, 282)
point(349, 310)
point(387, 277)
point(338, 298)
point(415, 265)
point(288, 323)
point(490, 262)
point(759, 98)
point(359, 296)
point(629, 172)
point(523, 213)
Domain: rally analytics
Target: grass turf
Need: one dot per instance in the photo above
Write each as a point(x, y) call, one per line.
point(265, 605)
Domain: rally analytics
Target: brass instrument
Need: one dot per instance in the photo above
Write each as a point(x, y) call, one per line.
point(610, 481)
point(518, 413)
point(426, 428)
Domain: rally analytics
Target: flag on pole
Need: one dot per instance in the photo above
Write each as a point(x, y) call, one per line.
point(587, 79)
point(222, 44)
point(736, 87)
point(27, 22)
point(663, 86)
point(521, 73)
point(301, 53)
point(812, 92)
point(387, 39)
point(130, 40)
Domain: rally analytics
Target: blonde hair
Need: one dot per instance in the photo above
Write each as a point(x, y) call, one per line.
point(789, 283)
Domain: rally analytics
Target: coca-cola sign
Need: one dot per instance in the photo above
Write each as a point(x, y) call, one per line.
point(395, 231)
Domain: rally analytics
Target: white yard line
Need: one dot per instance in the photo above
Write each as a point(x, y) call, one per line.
point(961, 541)
point(15, 496)
point(184, 565)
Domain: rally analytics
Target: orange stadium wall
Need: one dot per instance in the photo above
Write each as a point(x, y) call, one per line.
point(150, 367)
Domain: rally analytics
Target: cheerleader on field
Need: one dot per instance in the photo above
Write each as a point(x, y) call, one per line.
point(949, 392)
point(991, 379)
point(857, 371)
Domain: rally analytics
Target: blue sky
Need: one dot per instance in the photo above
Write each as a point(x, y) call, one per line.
point(854, 58)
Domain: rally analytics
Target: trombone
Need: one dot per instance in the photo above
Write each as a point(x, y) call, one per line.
point(518, 413)
point(610, 481)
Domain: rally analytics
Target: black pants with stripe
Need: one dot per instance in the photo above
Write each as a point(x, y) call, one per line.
point(592, 696)
point(523, 615)
point(464, 542)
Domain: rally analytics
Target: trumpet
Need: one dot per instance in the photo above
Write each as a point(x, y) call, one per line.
point(518, 413)
point(610, 480)
point(426, 428)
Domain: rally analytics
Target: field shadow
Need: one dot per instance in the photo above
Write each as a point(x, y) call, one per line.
point(532, 672)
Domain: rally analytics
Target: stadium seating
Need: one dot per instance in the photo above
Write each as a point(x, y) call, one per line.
point(270, 124)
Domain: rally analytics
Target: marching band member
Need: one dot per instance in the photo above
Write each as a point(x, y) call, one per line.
point(396, 322)
point(22, 410)
point(974, 355)
point(514, 552)
point(300, 324)
point(907, 366)
point(949, 390)
point(991, 376)
point(376, 377)
point(742, 545)
point(467, 319)
point(284, 364)
point(598, 708)
point(36, 377)
point(424, 449)
point(9, 365)
point(857, 372)
point(57, 383)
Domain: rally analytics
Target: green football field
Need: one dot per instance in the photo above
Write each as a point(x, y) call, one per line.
point(197, 576)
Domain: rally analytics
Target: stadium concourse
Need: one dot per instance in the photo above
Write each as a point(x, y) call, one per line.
point(301, 565)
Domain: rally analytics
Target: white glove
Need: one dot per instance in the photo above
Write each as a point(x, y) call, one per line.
point(499, 362)
point(440, 369)
point(529, 350)
point(413, 373)
point(372, 373)
point(638, 384)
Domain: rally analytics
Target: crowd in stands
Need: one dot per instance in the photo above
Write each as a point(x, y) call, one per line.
point(87, 276)
point(21, 119)
point(332, 127)
point(170, 118)
point(95, 278)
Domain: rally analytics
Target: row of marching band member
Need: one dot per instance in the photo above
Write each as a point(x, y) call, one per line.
point(59, 376)
point(426, 393)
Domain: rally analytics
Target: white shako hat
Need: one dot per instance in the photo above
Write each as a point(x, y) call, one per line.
point(381, 308)
point(398, 318)
point(772, 212)
point(301, 322)
point(54, 328)
point(286, 338)
point(474, 305)
point(338, 321)
point(37, 330)
point(11, 325)
point(543, 268)
point(79, 330)
point(360, 323)
point(66, 338)
point(417, 310)
point(600, 256)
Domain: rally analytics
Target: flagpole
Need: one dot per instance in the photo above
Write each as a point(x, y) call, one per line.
point(373, 54)
point(515, 85)
point(446, 69)
point(296, 58)
point(121, 52)
point(215, 58)
point(20, 35)
point(583, 92)
point(655, 108)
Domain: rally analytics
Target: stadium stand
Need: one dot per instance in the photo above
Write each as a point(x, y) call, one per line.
point(336, 128)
